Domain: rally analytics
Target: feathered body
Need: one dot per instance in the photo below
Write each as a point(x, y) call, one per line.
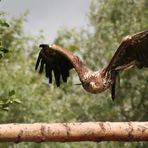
point(132, 52)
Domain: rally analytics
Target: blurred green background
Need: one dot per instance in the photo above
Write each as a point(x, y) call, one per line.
point(26, 97)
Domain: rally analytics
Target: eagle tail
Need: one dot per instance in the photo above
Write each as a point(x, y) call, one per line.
point(114, 75)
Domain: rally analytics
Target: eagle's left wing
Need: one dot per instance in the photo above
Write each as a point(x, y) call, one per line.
point(132, 52)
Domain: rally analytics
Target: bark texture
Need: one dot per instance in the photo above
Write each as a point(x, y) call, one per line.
point(70, 132)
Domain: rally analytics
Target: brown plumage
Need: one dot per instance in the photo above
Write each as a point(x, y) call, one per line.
point(132, 52)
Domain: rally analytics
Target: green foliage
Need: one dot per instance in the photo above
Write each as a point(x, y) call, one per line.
point(3, 23)
point(40, 102)
point(3, 26)
point(6, 98)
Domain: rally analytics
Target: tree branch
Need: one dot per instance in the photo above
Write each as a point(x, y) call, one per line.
point(70, 132)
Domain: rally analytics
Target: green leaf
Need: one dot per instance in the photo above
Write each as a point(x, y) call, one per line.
point(17, 101)
point(5, 108)
point(4, 23)
point(11, 93)
point(1, 54)
point(3, 49)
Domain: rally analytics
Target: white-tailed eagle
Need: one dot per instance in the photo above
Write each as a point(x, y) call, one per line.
point(132, 52)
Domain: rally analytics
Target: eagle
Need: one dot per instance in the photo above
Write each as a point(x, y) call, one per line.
point(58, 61)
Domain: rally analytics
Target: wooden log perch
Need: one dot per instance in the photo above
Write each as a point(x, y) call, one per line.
point(70, 132)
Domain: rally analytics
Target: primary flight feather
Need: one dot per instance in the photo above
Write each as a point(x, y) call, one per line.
point(132, 52)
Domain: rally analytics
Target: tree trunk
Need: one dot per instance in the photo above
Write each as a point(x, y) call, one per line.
point(70, 132)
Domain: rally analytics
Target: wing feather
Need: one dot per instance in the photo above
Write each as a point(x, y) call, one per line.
point(41, 66)
point(132, 50)
point(48, 69)
point(58, 61)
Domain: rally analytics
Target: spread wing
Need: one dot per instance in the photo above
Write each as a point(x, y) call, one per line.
point(132, 52)
point(58, 61)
